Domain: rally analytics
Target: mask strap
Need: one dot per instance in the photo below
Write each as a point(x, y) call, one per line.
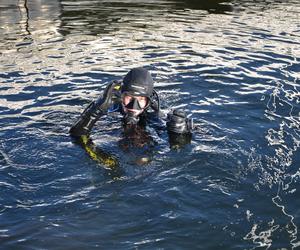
point(155, 101)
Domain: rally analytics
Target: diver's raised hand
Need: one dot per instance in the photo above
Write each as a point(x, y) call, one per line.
point(105, 101)
point(93, 112)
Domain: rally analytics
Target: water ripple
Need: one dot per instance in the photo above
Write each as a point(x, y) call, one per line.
point(233, 65)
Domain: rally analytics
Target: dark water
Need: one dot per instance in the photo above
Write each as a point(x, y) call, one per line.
point(233, 65)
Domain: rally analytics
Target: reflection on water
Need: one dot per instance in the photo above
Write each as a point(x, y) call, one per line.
point(24, 21)
point(280, 170)
point(111, 16)
point(233, 64)
point(213, 6)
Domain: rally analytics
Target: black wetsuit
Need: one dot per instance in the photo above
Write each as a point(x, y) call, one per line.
point(134, 137)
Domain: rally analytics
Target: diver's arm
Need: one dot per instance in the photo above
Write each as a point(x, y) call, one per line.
point(93, 112)
point(107, 160)
point(86, 121)
point(98, 154)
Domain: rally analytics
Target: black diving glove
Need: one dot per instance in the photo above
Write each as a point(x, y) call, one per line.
point(179, 123)
point(93, 112)
point(179, 128)
point(106, 100)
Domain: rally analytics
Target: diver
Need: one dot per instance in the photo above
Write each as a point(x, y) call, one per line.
point(138, 102)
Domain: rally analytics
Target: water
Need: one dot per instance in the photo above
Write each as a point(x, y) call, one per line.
point(233, 65)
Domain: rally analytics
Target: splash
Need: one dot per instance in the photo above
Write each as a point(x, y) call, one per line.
point(279, 168)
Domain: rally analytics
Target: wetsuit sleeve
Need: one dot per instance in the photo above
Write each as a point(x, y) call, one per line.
point(95, 110)
point(97, 154)
point(109, 161)
point(87, 120)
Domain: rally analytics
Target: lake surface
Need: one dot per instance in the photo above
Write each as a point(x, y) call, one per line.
point(233, 65)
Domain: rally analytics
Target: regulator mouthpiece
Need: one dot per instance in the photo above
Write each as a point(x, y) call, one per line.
point(130, 119)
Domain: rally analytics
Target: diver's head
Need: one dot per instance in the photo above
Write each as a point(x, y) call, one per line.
point(136, 90)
